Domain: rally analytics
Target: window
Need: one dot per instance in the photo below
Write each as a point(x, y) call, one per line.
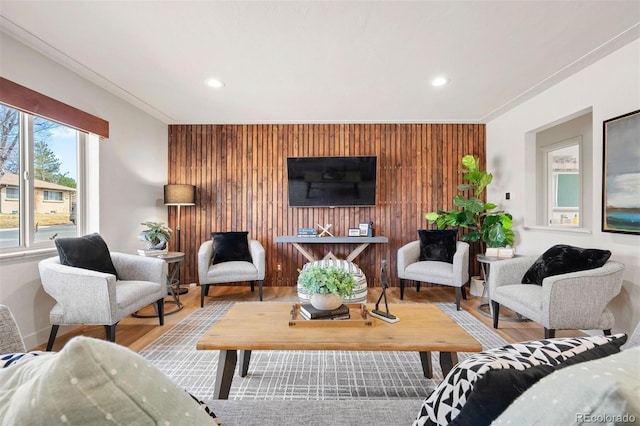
point(558, 159)
point(12, 193)
point(39, 174)
point(53, 196)
point(562, 173)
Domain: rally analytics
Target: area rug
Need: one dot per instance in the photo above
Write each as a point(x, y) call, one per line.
point(303, 375)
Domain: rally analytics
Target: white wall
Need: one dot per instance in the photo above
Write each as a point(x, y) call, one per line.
point(611, 87)
point(132, 168)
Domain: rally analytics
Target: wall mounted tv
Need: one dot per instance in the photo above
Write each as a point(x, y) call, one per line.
point(332, 181)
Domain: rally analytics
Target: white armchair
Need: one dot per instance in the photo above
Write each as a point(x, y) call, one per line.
point(84, 296)
point(454, 274)
point(572, 301)
point(232, 271)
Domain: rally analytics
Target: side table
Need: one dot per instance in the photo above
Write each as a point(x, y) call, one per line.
point(173, 285)
point(485, 308)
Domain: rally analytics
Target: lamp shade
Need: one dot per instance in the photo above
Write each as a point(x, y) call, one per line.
point(179, 195)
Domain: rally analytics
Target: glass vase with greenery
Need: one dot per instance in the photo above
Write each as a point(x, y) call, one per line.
point(480, 218)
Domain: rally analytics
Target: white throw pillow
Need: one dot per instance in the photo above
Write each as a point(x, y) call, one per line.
point(94, 382)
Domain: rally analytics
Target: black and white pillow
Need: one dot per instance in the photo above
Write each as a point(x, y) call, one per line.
point(448, 399)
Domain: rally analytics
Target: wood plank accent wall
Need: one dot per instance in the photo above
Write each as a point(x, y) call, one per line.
point(240, 174)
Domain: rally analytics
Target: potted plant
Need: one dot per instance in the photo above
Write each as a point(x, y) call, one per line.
point(492, 227)
point(327, 286)
point(157, 235)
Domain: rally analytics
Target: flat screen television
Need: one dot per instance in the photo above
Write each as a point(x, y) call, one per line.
point(332, 181)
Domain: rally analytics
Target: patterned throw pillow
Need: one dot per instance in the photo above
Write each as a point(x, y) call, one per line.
point(448, 399)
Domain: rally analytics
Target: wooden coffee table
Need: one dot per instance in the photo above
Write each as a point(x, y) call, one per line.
point(265, 326)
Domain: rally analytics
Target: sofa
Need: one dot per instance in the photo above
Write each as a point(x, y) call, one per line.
point(96, 382)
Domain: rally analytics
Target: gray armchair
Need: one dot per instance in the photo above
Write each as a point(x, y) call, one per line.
point(573, 301)
point(454, 274)
point(228, 272)
point(88, 297)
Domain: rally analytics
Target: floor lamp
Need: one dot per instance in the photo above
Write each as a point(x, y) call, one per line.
point(179, 195)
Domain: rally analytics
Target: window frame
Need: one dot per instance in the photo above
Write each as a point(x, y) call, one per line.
point(26, 190)
point(550, 181)
point(578, 124)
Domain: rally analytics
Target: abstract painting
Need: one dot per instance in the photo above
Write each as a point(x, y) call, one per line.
point(621, 174)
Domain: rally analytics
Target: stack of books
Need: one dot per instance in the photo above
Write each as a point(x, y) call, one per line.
point(504, 253)
point(307, 311)
point(307, 232)
point(152, 252)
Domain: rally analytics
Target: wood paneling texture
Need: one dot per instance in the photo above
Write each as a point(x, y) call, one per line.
point(241, 185)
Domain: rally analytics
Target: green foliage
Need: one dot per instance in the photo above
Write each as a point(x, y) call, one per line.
point(327, 279)
point(156, 232)
point(492, 227)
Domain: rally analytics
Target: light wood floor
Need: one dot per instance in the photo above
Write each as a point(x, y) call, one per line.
point(137, 333)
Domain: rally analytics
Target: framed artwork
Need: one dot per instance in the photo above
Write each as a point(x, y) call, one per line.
point(354, 232)
point(366, 229)
point(621, 174)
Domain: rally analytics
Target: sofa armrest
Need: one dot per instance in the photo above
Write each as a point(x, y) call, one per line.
point(258, 257)
point(407, 254)
point(139, 268)
point(205, 253)
point(461, 264)
point(599, 286)
point(67, 285)
point(509, 271)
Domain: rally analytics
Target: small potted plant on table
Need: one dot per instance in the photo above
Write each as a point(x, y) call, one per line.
point(327, 286)
point(157, 235)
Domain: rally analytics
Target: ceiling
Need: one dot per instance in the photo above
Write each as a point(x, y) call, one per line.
point(323, 61)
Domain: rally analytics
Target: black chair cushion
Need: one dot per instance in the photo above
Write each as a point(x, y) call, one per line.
point(230, 246)
point(87, 252)
point(562, 259)
point(436, 245)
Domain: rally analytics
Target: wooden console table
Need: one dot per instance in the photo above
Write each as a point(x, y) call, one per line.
point(363, 243)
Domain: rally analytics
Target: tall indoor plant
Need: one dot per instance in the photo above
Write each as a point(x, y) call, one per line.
point(480, 218)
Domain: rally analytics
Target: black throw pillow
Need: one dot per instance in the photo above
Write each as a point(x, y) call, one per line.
point(230, 246)
point(437, 245)
point(495, 391)
point(87, 252)
point(562, 259)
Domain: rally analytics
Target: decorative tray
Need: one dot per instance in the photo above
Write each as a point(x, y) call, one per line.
point(359, 317)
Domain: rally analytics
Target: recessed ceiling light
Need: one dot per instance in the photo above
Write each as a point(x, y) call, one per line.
point(215, 83)
point(439, 81)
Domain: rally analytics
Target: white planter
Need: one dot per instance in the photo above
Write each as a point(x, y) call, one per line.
point(477, 286)
point(325, 302)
